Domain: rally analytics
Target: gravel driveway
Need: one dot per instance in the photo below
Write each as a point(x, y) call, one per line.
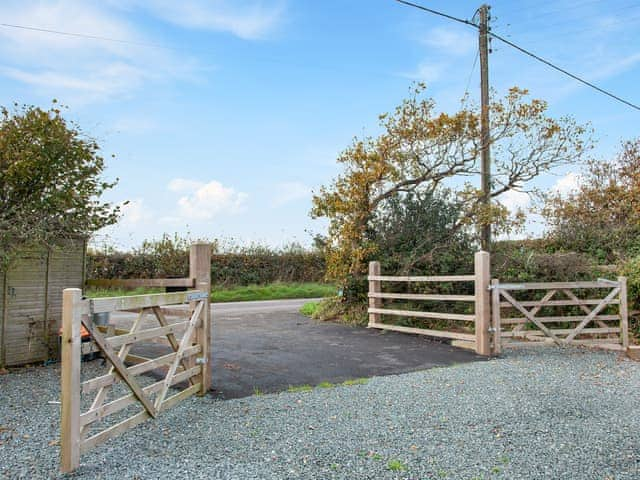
point(536, 414)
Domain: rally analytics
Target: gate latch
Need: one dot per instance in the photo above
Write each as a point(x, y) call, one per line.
point(201, 360)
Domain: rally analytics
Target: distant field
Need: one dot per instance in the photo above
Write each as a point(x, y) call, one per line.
point(274, 291)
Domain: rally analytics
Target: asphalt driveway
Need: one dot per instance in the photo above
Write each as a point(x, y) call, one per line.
point(268, 347)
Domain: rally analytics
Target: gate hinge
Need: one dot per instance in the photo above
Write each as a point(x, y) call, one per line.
point(201, 360)
point(491, 330)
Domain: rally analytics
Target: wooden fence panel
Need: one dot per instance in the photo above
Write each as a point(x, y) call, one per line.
point(481, 318)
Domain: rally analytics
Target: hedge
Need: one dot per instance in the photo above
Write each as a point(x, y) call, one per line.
point(229, 269)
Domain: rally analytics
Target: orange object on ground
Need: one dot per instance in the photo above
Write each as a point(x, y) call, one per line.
point(84, 333)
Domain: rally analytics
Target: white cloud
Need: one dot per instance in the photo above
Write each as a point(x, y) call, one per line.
point(80, 70)
point(288, 192)
point(207, 200)
point(247, 19)
point(514, 200)
point(450, 42)
point(105, 81)
point(66, 16)
point(567, 184)
point(134, 213)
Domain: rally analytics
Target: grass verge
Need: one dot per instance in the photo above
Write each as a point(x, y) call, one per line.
point(309, 309)
point(275, 291)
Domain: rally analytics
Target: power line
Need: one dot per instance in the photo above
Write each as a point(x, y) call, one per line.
point(84, 35)
point(435, 12)
point(562, 70)
point(473, 68)
point(204, 50)
point(527, 52)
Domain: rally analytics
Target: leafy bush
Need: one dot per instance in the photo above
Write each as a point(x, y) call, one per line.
point(169, 257)
point(527, 262)
point(335, 308)
point(50, 181)
point(602, 217)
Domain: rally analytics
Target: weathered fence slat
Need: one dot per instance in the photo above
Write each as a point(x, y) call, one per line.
point(469, 337)
point(424, 296)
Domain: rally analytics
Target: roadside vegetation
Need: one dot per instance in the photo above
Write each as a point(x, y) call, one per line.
point(404, 201)
point(51, 181)
point(275, 291)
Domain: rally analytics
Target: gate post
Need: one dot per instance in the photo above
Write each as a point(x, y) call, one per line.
point(374, 287)
point(200, 272)
point(482, 270)
point(624, 313)
point(495, 317)
point(70, 379)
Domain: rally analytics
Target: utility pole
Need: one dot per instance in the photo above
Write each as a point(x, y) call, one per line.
point(485, 136)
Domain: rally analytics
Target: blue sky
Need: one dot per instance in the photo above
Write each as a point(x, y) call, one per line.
point(227, 132)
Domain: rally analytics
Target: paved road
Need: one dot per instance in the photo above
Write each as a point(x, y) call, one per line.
point(267, 306)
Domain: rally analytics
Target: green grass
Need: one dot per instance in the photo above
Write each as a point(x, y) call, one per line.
point(309, 308)
point(274, 291)
point(326, 385)
point(355, 381)
point(396, 465)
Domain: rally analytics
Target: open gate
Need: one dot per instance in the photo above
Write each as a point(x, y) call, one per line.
point(178, 374)
point(593, 317)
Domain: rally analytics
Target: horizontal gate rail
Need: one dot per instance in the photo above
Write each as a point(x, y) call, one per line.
point(421, 296)
point(140, 282)
point(437, 278)
point(480, 340)
point(610, 328)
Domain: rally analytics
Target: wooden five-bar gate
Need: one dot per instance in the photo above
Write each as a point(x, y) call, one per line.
point(597, 314)
point(563, 313)
point(160, 360)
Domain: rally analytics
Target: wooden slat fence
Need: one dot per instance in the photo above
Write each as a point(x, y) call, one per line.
point(602, 320)
point(480, 339)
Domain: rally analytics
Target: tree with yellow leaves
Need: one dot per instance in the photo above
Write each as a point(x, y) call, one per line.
point(420, 150)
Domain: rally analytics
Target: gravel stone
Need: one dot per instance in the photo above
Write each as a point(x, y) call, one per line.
point(533, 414)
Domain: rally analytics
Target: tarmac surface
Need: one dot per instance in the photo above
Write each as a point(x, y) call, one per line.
point(264, 347)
